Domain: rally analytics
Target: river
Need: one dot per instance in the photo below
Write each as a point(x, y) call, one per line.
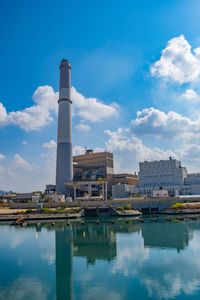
point(150, 260)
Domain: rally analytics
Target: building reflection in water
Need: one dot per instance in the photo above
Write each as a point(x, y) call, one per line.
point(90, 241)
point(64, 246)
point(94, 242)
point(98, 242)
point(166, 235)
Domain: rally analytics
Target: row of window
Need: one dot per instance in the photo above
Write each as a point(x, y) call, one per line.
point(156, 176)
point(158, 184)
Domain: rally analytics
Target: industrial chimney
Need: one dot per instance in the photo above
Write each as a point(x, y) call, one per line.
point(64, 163)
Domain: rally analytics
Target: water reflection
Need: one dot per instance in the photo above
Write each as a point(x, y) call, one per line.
point(174, 235)
point(157, 260)
point(63, 239)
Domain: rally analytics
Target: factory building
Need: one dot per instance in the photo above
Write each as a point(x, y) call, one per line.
point(168, 175)
point(124, 185)
point(92, 173)
point(123, 190)
point(161, 173)
point(93, 166)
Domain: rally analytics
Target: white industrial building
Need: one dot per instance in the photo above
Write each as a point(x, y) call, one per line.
point(168, 175)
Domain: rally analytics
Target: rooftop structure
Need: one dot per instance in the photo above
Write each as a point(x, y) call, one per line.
point(124, 178)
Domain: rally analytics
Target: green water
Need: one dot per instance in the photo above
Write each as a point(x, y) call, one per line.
point(153, 260)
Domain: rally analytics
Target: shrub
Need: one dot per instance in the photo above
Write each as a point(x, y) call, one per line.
point(120, 208)
point(177, 205)
point(127, 207)
point(46, 210)
point(28, 211)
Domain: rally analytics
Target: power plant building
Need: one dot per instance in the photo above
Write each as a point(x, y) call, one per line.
point(93, 166)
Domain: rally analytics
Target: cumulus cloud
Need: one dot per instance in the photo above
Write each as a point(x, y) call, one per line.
point(45, 108)
point(2, 156)
point(189, 154)
point(128, 150)
point(178, 62)
point(92, 109)
point(83, 127)
point(22, 288)
point(19, 162)
point(38, 115)
point(50, 145)
point(171, 125)
point(191, 96)
point(3, 115)
point(122, 140)
point(130, 251)
point(19, 175)
point(1, 169)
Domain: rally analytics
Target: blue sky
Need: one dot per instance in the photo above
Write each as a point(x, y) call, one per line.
point(145, 103)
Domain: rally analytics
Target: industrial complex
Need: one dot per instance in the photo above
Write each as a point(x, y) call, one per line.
point(91, 176)
point(83, 176)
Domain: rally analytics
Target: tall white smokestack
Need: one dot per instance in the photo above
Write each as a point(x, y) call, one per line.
point(64, 164)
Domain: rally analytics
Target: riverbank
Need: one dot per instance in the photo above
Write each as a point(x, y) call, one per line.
point(11, 215)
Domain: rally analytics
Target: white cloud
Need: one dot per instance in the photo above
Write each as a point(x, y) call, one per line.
point(1, 169)
point(191, 96)
point(19, 162)
point(50, 145)
point(122, 140)
point(22, 288)
point(20, 175)
point(83, 127)
point(178, 62)
point(38, 115)
point(171, 125)
point(2, 156)
point(3, 115)
point(79, 150)
point(45, 109)
point(92, 109)
point(128, 150)
point(130, 251)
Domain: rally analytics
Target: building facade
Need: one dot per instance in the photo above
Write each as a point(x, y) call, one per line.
point(168, 175)
point(123, 190)
point(93, 166)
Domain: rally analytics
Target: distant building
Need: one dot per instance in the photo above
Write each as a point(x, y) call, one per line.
point(161, 173)
point(167, 175)
point(50, 188)
point(23, 197)
point(193, 178)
